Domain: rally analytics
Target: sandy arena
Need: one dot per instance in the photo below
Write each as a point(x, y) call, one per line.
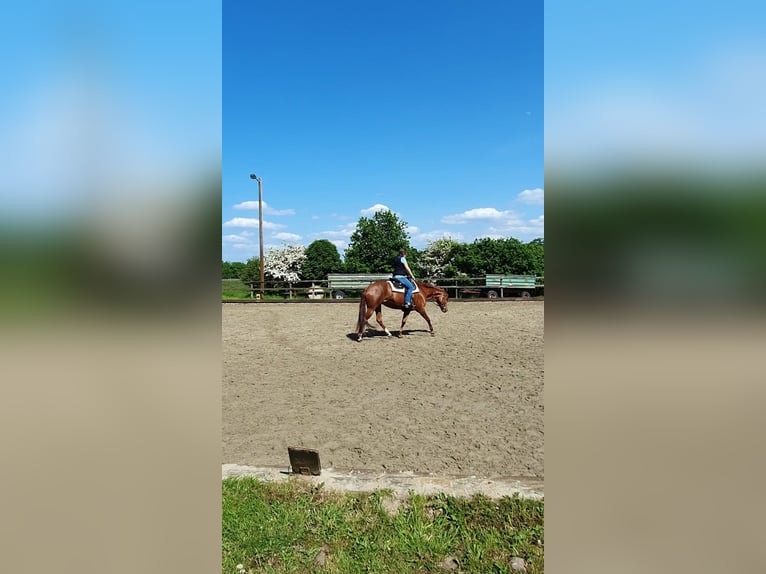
point(467, 401)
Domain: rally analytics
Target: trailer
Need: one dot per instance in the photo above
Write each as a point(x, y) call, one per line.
point(339, 284)
point(523, 286)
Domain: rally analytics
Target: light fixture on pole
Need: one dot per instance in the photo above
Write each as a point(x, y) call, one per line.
point(260, 225)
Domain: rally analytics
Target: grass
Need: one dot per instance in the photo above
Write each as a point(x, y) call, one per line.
point(234, 289)
point(293, 526)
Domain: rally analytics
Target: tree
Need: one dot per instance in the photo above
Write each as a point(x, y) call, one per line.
point(536, 255)
point(285, 263)
point(232, 270)
point(376, 242)
point(438, 259)
point(322, 257)
point(487, 255)
point(413, 260)
point(251, 271)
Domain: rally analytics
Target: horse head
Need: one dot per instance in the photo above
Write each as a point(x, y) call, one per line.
point(438, 295)
point(441, 300)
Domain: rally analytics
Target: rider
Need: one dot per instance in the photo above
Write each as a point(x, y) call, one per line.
point(403, 273)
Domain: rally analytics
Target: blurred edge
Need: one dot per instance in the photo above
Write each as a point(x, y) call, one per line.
point(654, 370)
point(655, 219)
point(670, 240)
point(110, 287)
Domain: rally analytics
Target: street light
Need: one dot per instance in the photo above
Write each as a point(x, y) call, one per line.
point(260, 224)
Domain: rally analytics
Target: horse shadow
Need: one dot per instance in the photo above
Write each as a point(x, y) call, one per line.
point(382, 334)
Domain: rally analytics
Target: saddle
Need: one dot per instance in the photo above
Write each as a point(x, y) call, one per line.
point(398, 287)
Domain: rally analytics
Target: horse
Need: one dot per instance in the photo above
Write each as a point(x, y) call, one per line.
point(379, 293)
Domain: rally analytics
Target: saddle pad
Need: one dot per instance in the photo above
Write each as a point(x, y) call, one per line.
point(399, 288)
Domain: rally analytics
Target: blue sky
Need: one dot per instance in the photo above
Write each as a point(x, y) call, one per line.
point(670, 84)
point(107, 101)
point(432, 109)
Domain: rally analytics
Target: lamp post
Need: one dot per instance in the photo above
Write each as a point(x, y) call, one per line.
point(260, 224)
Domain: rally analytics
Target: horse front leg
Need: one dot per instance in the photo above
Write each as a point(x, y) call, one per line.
point(422, 311)
point(379, 318)
point(404, 320)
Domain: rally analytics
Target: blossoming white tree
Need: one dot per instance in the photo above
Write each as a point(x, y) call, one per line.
point(285, 263)
point(437, 257)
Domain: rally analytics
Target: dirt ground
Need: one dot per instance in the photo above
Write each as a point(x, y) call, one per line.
point(467, 401)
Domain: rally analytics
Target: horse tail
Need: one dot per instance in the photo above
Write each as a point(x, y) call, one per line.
point(362, 321)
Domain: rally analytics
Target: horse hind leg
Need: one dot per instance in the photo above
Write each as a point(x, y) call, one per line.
point(379, 318)
point(368, 313)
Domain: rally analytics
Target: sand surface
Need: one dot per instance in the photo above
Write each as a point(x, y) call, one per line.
point(467, 401)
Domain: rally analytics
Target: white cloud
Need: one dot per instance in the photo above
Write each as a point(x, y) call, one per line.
point(286, 236)
point(520, 229)
point(251, 222)
point(332, 234)
point(247, 205)
point(532, 196)
point(267, 209)
point(370, 211)
point(341, 233)
point(240, 237)
point(481, 214)
point(338, 237)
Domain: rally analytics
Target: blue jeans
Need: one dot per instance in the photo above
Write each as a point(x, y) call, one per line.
point(409, 287)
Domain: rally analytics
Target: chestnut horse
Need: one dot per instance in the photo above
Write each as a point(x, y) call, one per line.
point(379, 293)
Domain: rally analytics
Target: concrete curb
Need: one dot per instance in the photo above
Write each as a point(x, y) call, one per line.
point(399, 483)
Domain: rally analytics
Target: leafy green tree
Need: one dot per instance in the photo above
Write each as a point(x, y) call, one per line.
point(413, 260)
point(487, 255)
point(376, 242)
point(251, 272)
point(322, 257)
point(535, 252)
point(231, 270)
point(479, 257)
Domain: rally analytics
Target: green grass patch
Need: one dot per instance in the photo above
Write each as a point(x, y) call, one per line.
point(234, 289)
point(294, 526)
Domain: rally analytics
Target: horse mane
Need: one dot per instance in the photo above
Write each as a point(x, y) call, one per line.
point(431, 286)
